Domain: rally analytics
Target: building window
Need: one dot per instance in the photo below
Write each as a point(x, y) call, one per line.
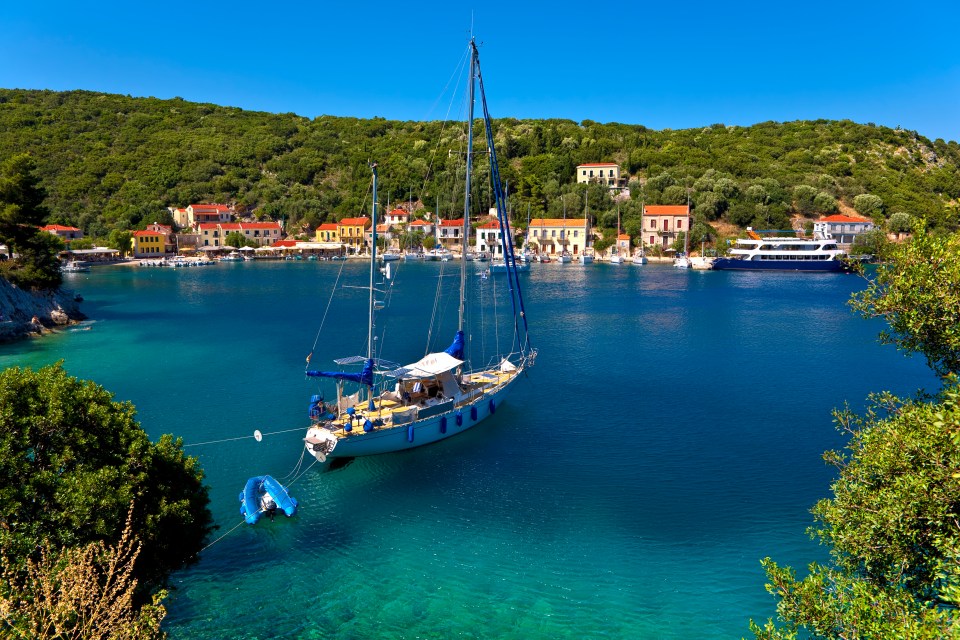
point(653, 224)
point(679, 224)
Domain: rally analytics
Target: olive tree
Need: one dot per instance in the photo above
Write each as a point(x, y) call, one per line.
point(73, 460)
point(891, 525)
point(916, 289)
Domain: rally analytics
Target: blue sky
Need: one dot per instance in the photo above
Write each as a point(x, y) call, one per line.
point(663, 65)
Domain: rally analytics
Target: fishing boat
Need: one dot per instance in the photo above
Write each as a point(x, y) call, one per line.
point(443, 393)
point(773, 253)
point(586, 256)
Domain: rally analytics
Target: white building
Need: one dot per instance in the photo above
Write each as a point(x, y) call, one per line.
point(843, 229)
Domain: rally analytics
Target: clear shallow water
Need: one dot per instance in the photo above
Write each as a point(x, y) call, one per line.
point(668, 438)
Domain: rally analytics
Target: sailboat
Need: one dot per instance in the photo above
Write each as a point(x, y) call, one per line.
point(615, 257)
point(565, 256)
point(586, 256)
point(640, 256)
point(683, 261)
point(441, 394)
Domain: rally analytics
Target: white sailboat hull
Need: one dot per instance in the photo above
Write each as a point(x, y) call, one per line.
point(389, 439)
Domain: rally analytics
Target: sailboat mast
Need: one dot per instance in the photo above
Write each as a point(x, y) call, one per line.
point(466, 195)
point(373, 266)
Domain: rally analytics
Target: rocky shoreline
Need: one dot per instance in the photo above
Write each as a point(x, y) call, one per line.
point(27, 313)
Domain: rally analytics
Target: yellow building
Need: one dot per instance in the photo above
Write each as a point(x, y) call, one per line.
point(552, 235)
point(605, 173)
point(327, 232)
point(351, 232)
point(148, 244)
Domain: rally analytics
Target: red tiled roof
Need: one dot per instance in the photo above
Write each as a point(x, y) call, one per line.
point(58, 227)
point(230, 226)
point(213, 207)
point(327, 226)
point(259, 225)
point(451, 223)
point(598, 164)
point(383, 227)
point(492, 224)
point(398, 213)
point(207, 225)
point(364, 221)
point(666, 210)
point(420, 223)
point(285, 243)
point(140, 234)
point(623, 236)
point(842, 218)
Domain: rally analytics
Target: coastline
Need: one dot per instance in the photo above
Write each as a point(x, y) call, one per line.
point(28, 313)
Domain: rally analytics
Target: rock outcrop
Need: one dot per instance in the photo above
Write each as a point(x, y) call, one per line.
point(24, 313)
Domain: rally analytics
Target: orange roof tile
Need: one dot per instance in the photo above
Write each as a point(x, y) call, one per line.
point(58, 227)
point(452, 223)
point(259, 225)
point(555, 222)
point(842, 218)
point(140, 234)
point(398, 212)
point(363, 221)
point(598, 164)
point(492, 224)
point(666, 210)
point(327, 226)
point(420, 223)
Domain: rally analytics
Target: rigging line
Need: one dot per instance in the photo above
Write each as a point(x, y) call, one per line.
point(433, 314)
point(240, 524)
point(458, 72)
point(297, 466)
point(333, 292)
point(269, 433)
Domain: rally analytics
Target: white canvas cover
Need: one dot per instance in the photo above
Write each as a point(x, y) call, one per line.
point(430, 365)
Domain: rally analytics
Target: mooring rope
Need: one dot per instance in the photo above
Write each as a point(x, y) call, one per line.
point(254, 436)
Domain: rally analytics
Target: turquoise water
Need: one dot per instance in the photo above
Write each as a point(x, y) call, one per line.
point(668, 438)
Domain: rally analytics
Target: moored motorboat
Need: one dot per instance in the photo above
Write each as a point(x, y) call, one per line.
point(262, 495)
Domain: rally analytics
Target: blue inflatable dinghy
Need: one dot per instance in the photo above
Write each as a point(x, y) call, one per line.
point(263, 495)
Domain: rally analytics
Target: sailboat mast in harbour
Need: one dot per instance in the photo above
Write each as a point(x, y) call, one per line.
point(440, 395)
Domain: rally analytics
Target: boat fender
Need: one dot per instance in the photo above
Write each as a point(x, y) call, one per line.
point(473, 412)
point(459, 418)
point(410, 433)
point(367, 426)
point(348, 426)
point(443, 424)
point(493, 407)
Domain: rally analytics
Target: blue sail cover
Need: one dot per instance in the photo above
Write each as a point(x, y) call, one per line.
point(364, 377)
point(456, 349)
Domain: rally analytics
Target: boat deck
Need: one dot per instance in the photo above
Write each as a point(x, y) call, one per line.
point(391, 412)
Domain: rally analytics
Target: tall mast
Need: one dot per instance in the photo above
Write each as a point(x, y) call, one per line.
point(373, 266)
point(466, 195)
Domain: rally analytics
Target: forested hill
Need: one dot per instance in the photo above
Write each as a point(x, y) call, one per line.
point(112, 161)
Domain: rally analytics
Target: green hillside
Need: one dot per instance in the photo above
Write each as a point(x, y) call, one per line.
point(112, 161)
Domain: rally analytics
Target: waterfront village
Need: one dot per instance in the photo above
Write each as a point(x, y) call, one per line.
point(205, 233)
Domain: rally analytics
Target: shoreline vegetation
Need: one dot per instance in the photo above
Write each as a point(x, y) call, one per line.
point(112, 164)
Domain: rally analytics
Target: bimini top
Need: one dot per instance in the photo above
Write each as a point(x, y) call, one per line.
point(430, 365)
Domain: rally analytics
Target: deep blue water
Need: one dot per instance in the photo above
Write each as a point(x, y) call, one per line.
point(668, 438)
